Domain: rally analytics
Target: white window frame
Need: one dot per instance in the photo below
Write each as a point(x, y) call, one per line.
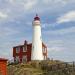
point(17, 49)
point(24, 48)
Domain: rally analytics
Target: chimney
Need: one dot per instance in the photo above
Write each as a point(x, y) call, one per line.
point(25, 42)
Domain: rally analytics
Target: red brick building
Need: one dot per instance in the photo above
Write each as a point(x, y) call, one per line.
point(22, 53)
point(3, 66)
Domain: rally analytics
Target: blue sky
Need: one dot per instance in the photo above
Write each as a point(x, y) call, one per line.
point(57, 20)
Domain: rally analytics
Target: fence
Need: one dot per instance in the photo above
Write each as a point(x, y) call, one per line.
point(65, 65)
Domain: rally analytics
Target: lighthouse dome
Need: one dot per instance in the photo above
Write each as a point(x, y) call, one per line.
point(36, 18)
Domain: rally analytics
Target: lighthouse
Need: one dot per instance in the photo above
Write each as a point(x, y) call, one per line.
point(36, 53)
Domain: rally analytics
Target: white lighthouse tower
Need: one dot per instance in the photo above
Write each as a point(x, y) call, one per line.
point(37, 53)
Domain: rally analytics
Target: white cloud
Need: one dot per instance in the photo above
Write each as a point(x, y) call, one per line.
point(55, 45)
point(7, 31)
point(68, 17)
point(62, 31)
point(55, 1)
point(56, 42)
point(16, 1)
point(66, 31)
point(17, 9)
point(27, 4)
point(3, 15)
point(55, 49)
point(11, 1)
point(30, 4)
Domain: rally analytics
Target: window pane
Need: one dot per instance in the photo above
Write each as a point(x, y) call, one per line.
point(24, 48)
point(24, 58)
point(17, 59)
point(17, 50)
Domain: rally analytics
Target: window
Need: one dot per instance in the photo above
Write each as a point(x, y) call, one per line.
point(17, 59)
point(44, 50)
point(45, 58)
point(17, 49)
point(40, 38)
point(24, 58)
point(24, 48)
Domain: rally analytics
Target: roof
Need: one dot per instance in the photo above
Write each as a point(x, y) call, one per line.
point(44, 44)
point(18, 46)
point(22, 45)
point(36, 18)
point(3, 59)
point(28, 45)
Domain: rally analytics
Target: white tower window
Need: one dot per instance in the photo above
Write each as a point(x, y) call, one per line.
point(17, 49)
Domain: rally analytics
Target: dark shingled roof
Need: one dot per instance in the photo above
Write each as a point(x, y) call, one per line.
point(3, 59)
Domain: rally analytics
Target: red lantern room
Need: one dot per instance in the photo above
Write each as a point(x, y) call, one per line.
point(36, 18)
